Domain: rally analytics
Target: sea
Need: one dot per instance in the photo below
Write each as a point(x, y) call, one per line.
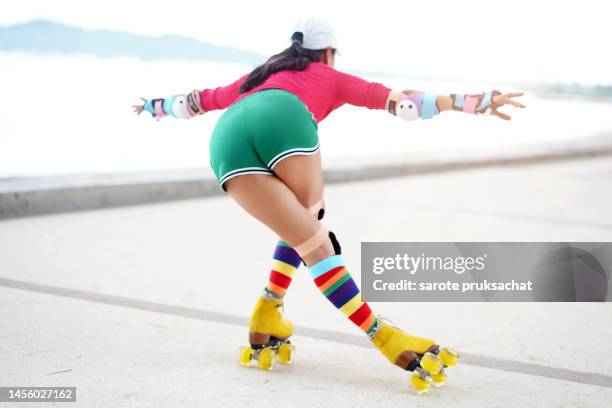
point(72, 114)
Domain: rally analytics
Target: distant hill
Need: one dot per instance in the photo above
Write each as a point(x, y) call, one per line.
point(47, 37)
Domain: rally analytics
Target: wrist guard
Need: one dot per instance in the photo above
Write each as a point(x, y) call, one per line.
point(477, 104)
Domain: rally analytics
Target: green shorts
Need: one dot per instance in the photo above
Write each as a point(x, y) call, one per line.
point(258, 132)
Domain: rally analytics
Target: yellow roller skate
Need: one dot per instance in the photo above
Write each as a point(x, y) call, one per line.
point(419, 355)
point(269, 336)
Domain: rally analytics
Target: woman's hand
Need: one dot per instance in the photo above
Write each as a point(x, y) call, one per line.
point(500, 100)
point(139, 108)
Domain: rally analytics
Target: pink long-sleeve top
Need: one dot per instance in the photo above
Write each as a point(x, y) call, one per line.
point(320, 87)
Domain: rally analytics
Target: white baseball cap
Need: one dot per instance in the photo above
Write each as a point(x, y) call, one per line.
point(318, 34)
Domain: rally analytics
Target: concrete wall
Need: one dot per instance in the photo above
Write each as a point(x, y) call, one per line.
point(53, 194)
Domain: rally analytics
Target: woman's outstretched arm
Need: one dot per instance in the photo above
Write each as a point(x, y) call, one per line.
point(410, 105)
point(197, 102)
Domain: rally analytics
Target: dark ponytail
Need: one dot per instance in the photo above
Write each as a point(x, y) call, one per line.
point(294, 58)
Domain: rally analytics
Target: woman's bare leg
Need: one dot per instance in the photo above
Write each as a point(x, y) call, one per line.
point(302, 174)
point(272, 202)
point(304, 177)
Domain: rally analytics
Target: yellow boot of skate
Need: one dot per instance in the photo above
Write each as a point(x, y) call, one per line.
point(269, 334)
point(419, 355)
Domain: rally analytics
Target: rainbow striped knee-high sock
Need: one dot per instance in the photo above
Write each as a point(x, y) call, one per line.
point(285, 264)
point(337, 285)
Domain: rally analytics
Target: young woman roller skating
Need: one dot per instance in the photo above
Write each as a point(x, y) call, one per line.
point(264, 152)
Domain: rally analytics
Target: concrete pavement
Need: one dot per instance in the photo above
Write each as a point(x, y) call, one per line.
point(145, 306)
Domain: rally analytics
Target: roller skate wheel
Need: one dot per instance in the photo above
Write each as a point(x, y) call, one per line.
point(265, 359)
point(431, 363)
point(246, 356)
point(438, 379)
point(418, 384)
point(286, 353)
point(449, 357)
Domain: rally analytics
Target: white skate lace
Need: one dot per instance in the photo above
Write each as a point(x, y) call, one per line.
point(281, 306)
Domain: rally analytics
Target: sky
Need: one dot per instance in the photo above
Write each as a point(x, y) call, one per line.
point(510, 40)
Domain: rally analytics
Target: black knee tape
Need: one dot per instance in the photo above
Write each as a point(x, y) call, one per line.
point(321, 214)
point(335, 243)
